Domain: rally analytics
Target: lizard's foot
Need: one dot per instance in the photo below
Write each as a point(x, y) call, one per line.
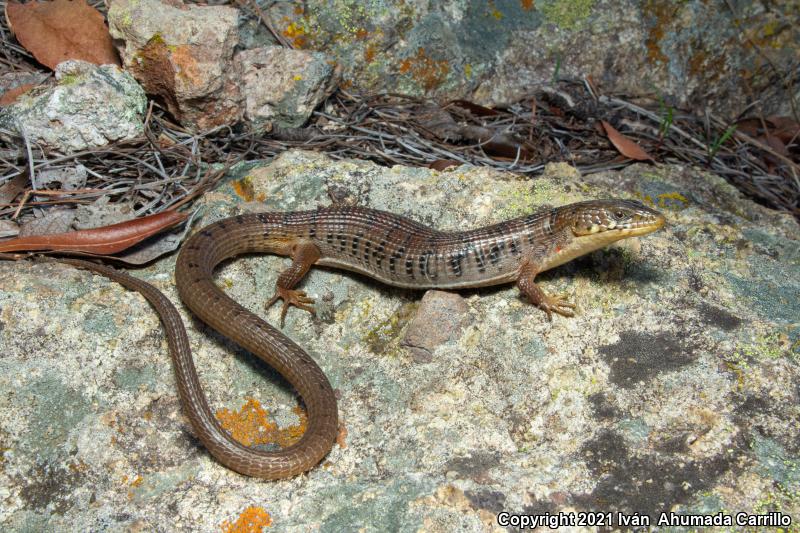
point(290, 298)
point(556, 304)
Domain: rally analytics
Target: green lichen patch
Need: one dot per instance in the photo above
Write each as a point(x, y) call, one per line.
point(361, 507)
point(566, 14)
point(775, 463)
point(387, 332)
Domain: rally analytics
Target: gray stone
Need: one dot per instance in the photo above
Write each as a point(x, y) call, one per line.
point(90, 106)
point(8, 228)
point(674, 387)
point(282, 86)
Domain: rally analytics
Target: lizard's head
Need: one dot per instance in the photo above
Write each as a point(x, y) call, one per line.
point(597, 223)
point(611, 220)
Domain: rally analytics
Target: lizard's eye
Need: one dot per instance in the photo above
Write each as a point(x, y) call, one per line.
point(619, 215)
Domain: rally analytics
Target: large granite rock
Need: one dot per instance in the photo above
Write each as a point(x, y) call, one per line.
point(675, 388)
point(693, 53)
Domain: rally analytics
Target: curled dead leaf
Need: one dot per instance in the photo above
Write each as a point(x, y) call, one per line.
point(626, 146)
point(62, 29)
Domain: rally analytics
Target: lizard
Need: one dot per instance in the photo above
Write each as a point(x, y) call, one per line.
point(384, 246)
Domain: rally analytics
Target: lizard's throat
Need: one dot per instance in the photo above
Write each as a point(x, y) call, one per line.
point(580, 245)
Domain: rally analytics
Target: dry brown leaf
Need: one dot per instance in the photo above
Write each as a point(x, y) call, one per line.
point(504, 147)
point(786, 129)
point(441, 164)
point(10, 96)
point(62, 29)
point(475, 109)
point(12, 188)
point(750, 126)
point(626, 147)
point(153, 247)
point(105, 240)
point(775, 143)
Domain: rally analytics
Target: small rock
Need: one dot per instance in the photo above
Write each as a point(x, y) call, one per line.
point(182, 54)
point(13, 84)
point(90, 106)
point(441, 317)
point(283, 86)
point(8, 228)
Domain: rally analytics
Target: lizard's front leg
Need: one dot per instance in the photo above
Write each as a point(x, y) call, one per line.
point(304, 254)
point(548, 304)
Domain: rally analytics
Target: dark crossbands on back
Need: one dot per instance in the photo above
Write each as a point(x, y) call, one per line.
point(389, 248)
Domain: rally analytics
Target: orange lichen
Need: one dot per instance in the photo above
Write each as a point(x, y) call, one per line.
point(155, 72)
point(362, 34)
point(369, 53)
point(668, 199)
point(527, 5)
point(662, 13)
point(186, 65)
point(251, 520)
point(138, 481)
point(290, 435)
point(426, 71)
point(80, 466)
point(710, 67)
point(244, 189)
point(493, 11)
point(297, 33)
point(251, 425)
point(341, 436)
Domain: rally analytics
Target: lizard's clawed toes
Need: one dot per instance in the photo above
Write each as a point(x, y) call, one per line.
point(557, 304)
point(291, 298)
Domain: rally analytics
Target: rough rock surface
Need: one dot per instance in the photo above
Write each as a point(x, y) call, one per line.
point(182, 53)
point(283, 86)
point(695, 53)
point(89, 106)
point(674, 388)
